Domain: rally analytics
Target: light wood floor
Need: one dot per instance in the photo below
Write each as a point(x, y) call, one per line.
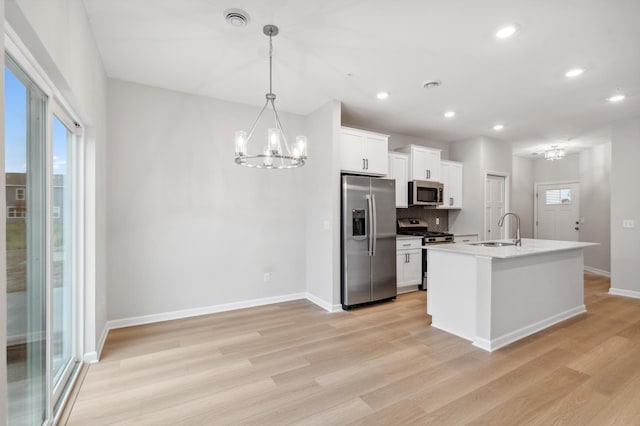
point(294, 363)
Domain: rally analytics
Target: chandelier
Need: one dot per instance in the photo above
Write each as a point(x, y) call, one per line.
point(271, 155)
point(555, 153)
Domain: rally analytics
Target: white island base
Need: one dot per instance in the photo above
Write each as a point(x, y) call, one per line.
point(495, 296)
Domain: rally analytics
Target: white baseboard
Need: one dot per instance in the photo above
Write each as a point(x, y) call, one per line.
point(504, 340)
point(205, 310)
point(322, 303)
point(94, 357)
point(626, 293)
point(597, 271)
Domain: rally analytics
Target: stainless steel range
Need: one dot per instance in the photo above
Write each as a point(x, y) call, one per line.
point(419, 228)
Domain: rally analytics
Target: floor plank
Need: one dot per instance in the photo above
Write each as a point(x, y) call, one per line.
point(292, 363)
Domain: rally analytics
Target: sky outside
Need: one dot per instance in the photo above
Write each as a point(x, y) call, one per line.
point(15, 136)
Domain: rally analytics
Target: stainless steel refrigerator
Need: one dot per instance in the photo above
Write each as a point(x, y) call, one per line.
point(368, 240)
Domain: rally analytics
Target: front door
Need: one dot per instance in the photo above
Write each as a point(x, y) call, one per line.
point(558, 211)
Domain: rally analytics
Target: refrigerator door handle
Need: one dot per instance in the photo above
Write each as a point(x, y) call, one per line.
point(371, 225)
point(374, 235)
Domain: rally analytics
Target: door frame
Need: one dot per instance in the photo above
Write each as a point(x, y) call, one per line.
point(536, 185)
point(507, 200)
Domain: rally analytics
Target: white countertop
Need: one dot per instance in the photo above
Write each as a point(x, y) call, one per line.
point(529, 247)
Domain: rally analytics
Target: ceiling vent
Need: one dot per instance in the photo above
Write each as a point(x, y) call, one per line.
point(237, 17)
point(431, 84)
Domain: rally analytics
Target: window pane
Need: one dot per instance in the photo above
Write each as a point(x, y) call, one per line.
point(558, 196)
point(24, 180)
point(61, 215)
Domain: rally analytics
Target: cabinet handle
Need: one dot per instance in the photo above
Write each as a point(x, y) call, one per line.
point(450, 201)
point(367, 162)
point(407, 258)
point(363, 167)
point(406, 245)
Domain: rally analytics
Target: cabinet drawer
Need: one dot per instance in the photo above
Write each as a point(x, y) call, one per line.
point(408, 243)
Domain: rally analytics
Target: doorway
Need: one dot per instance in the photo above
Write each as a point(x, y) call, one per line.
point(557, 212)
point(496, 204)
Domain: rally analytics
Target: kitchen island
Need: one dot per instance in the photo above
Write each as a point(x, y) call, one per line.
point(494, 296)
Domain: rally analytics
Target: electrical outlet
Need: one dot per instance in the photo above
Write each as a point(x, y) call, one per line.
point(628, 223)
point(266, 277)
point(437, 221)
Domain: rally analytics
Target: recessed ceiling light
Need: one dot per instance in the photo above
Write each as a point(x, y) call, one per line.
point(498, 127)
point(574, 72)
point(618, 97)
point(506, 31)
point(382, 95)
point(237, 17)
point(450, 114)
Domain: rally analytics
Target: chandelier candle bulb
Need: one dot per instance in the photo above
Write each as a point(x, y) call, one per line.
point(301, 146)
point(241, 140)
point(273, 136)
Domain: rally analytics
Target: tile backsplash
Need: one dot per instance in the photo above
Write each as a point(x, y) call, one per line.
point(429, 214)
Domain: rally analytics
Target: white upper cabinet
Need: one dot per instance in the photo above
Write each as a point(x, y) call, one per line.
point(424, 163)
point(399, 170)
point(363, 152)
point(451, 174)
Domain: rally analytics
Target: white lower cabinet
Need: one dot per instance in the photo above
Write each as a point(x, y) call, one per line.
point(408, 264)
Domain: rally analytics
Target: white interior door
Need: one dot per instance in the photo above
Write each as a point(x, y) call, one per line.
point(494, 207)
point(558, 211)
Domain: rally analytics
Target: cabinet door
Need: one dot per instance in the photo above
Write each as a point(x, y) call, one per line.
point(425, 164)
point(432, 164)
point(351, 146)
point(399, 171)
point(401, 261)
point(419, 164)
point(413, 268)
point(375, 152)
point(455, 183)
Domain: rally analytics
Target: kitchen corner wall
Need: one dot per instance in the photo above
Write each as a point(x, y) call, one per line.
point(625, 205)
point(522, 194)
point(190, 230)
point(595, 205)
point(321, 203)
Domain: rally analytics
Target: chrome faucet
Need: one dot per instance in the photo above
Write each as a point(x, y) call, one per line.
point(501, 222)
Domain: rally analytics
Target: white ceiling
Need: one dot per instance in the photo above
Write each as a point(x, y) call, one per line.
point(351, 49)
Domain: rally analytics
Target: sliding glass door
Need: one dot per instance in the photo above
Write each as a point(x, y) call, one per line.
point(25, 241)
point(42, 296)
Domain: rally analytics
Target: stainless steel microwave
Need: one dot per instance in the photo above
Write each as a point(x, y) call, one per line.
point(425, 193)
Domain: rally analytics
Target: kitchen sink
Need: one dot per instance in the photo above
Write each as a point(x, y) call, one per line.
point(493, 244)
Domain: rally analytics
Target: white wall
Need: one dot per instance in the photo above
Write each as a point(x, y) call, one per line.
point(522, 194)
point(479, 155)
point(57, 34)
point(595, 205)
point(625, 205)
point(188, 228)
point(567, 169)
point(322, 204)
